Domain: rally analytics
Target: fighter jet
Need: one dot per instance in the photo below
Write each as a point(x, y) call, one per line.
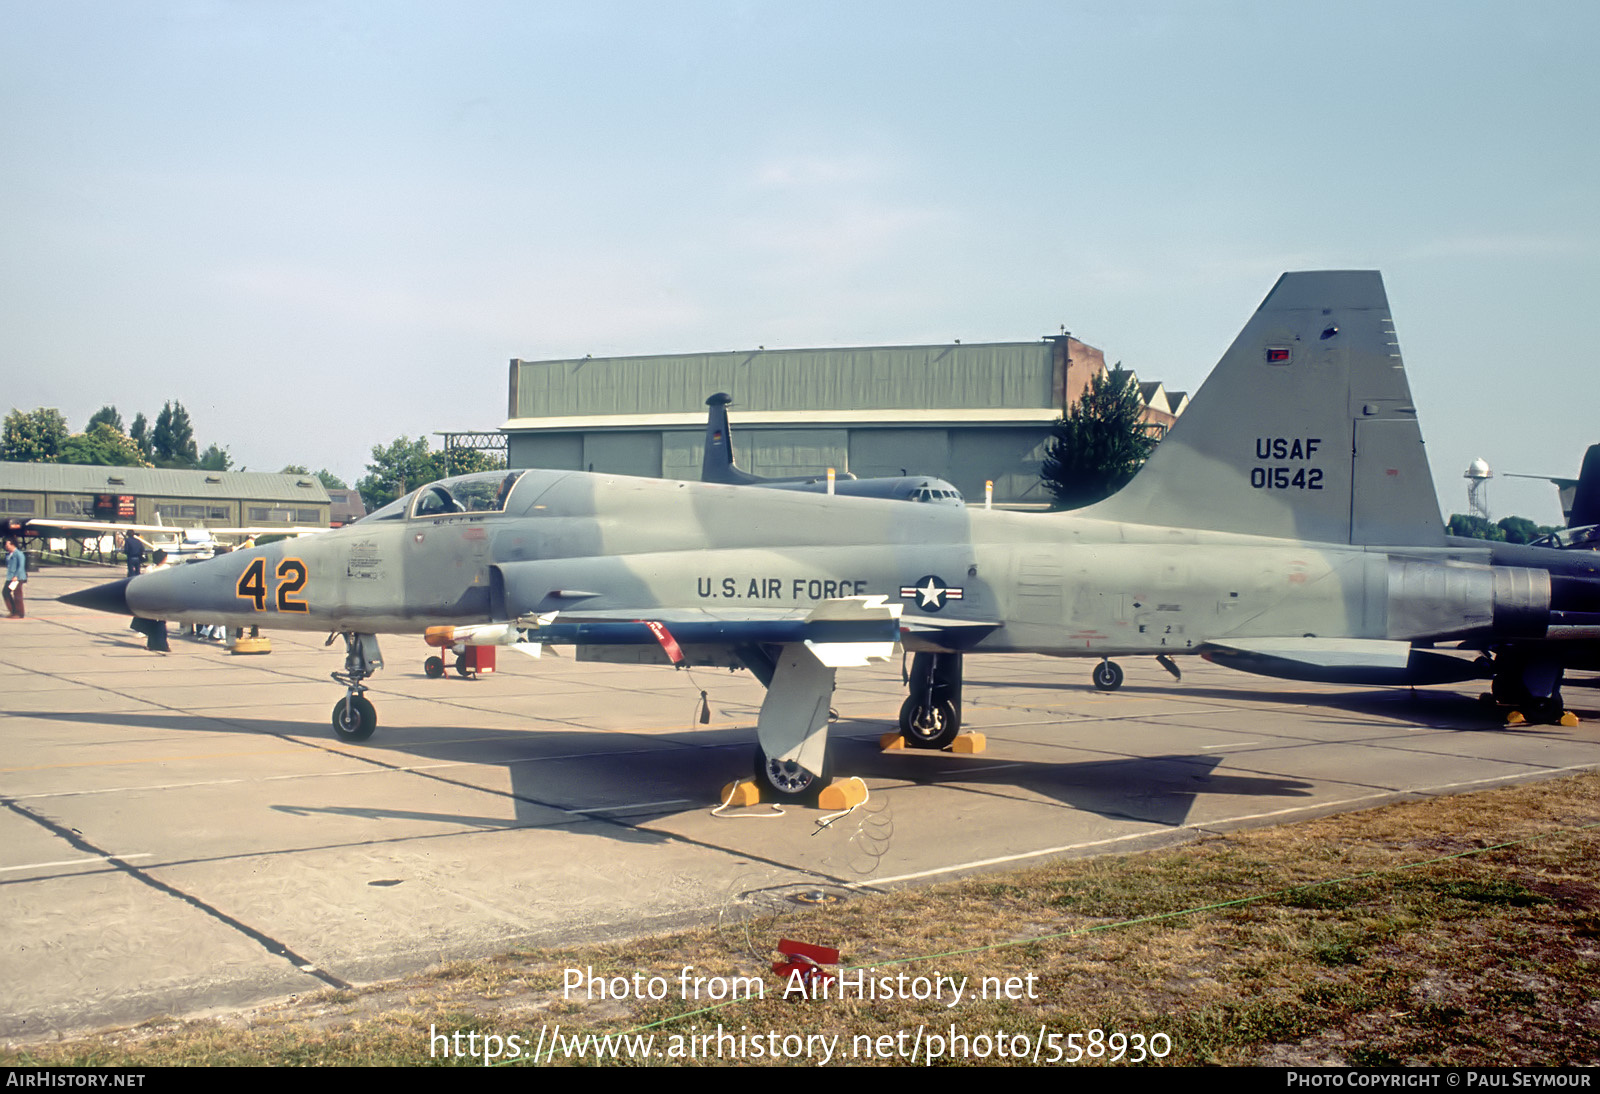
point(717, 465)
point(1288, 521)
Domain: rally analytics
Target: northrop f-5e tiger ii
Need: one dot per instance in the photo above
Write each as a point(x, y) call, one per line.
point(1286, 525)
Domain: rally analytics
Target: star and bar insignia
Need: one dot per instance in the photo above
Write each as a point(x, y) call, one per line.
point(930, 593)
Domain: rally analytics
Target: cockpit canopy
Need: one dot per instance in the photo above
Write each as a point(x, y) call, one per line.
point(486, 492)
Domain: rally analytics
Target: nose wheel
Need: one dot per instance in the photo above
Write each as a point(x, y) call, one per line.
point(354, 716)
point(1108, 676)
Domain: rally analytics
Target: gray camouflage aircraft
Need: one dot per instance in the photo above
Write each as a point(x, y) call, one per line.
point(1287, 524)
point(717, 465)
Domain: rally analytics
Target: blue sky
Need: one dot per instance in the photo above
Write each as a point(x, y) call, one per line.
point(324, 225)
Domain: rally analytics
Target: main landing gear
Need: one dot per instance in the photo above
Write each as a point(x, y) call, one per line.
point(1528, 689)
point(931, 715)
point(787, 781)
point(354, 717)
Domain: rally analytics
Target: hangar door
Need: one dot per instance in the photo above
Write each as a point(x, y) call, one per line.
point(623, 453)
point(880, 453)
point(777, 453)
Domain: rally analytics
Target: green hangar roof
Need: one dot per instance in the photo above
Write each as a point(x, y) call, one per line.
point(80, 478)
point(996, 377)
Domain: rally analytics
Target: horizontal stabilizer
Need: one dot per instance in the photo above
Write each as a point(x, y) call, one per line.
point(1341, 661)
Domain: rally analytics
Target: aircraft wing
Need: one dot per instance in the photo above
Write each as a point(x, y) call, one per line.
point(852, 621)
point(102, 526)
point(793, 652)
point(106, 526)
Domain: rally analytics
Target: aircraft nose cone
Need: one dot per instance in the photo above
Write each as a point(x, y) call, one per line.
point(110, 597)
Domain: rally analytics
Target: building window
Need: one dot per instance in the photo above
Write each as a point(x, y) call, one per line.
point(193, 512)
point(286, 515)
point(74, 507)
point(19, 505)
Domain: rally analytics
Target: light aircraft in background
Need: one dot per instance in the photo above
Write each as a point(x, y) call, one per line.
point(166, 542)
point(1287, 524)
point(717, 465)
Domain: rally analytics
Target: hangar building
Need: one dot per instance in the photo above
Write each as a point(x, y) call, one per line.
point(966, 413)
point(139, 495)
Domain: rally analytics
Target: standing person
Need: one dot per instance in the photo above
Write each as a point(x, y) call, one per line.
point(16, 578)
point(133, 548)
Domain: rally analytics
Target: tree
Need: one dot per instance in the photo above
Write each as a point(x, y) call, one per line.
point(215, 459)
point(172, 440)
point(469, 461)
point(101, 444)
point(1098, 445)
point(1475, 527)
point(1523, 530)
point(329, 480)
point(400, 466)
point(405, 464)
point(107, 414)
point(139, 434)
point(33, 437)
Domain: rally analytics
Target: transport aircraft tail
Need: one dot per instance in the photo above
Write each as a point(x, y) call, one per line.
point(1304, 430)
point(717, 463)
point(1586, 499)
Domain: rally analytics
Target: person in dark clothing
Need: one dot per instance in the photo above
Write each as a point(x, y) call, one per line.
point(133, 547)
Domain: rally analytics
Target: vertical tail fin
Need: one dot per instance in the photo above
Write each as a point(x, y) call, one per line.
point(1304, 430)
point(716, 465)
point(1586, 498)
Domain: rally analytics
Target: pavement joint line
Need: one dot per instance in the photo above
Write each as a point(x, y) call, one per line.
point(93, 860)
point(144, 877)
point(630, 805)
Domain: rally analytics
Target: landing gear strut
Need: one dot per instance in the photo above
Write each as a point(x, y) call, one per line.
point(931, 715)
point(354, 717)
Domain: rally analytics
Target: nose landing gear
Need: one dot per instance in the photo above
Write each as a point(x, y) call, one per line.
point(354, 716)
point(1108, 676)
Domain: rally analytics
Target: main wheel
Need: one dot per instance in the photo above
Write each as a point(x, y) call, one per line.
point(434, 667)
point(354, 718)
point(1108, 676)
point(931, 729)
point(787, 780)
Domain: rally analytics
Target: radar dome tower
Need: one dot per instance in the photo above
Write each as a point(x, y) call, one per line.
point(1478, 476)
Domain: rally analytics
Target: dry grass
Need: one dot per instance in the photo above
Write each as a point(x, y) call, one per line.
point(1457, 931)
